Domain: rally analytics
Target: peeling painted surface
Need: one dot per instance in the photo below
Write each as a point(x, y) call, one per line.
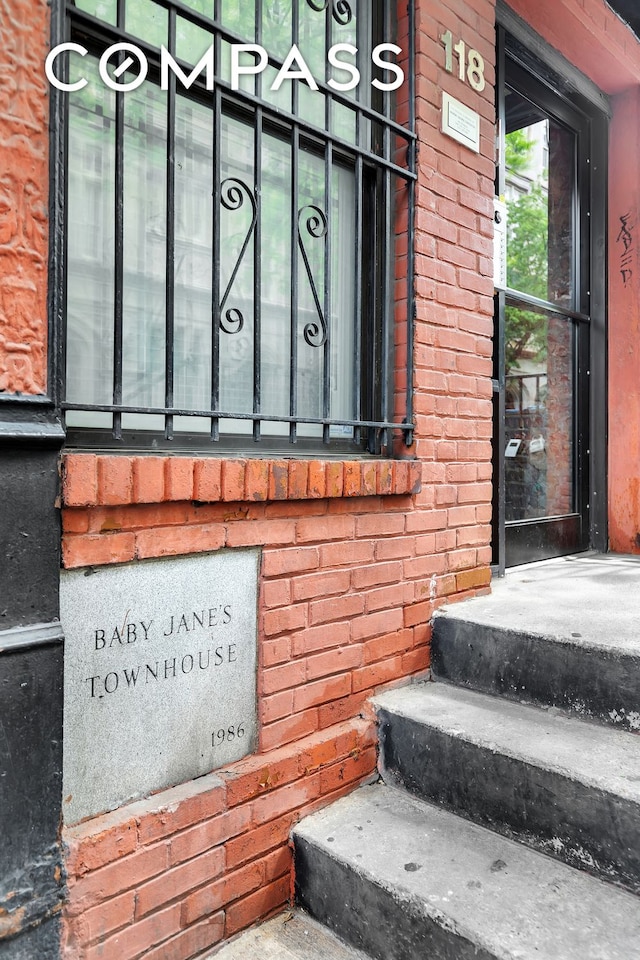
point(32, 877)
point(624, 326)
point(24, 179)
point(11, 923)
point(31, 895)
point(630, 719)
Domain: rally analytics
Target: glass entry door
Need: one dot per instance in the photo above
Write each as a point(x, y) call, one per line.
point(542, 325)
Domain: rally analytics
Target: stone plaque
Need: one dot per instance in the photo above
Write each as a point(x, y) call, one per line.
point(160, 674)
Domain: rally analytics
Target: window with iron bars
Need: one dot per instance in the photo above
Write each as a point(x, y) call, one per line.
point(237, 261)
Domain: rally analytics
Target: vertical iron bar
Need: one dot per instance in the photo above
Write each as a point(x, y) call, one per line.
point(388, 258)
point(257, 246)
point(293, 367)
point(357, 320)
point(215, 242)
point(118, 300)
point(295, 148)
point(170, 241)
point(215, 284)
point(387, 262)
point(411, 188)
point(257, 276)
point(326, 373)
point(327, 301)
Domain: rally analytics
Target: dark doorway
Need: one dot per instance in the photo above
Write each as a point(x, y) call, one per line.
point(542, 355)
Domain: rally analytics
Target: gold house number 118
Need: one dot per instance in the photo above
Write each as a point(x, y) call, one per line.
point(470, 62)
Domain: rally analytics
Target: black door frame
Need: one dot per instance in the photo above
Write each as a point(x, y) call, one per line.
point(571, 98)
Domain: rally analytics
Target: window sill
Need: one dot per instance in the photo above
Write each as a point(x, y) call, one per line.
point(116, 480)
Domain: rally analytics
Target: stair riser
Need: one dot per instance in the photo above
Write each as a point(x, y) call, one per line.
point(578, 824)
point(369, 917)
point(590, 683)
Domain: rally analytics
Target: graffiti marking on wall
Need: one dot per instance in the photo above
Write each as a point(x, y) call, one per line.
point(625, 237)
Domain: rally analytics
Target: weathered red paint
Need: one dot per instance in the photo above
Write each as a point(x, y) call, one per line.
point(590, 35)
point(624, 325)
point(24, 180)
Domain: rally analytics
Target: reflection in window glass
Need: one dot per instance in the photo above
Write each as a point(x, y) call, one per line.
point(193, 259)
point(539, 190)
point(538, 415)
point(103, 9)
point(256, 310)
point(204, 7)
point(147, 19)
point(145, 219)
point(90, 247)
point(191, 41)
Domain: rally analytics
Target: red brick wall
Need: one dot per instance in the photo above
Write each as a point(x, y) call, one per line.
point(347, 588)
point(24, 186)
point(355, 557)
point(454, 285)
point(168, 877)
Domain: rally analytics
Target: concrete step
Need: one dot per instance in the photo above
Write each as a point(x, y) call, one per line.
point(564, 786)
point(405, 880)
point(292, 935)
point(518, 644)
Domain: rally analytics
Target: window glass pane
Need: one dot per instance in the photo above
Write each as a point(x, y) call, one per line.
point(279, 98)
point(143, 18)
point(144, 254)
point(310, 352)
point(90, 244)
point(312, 39)
point(540, 189)
point(303, 337)
point(246, 82)
point(311, 104)
point(192, 42)
point(343, 298)
point(276, 279)
point(240, 17)
point(236, 268)
point(277, 26)
point(539, 414)
point(193, 256)
point(205, 7)
point(106, 10)
point(343, 122)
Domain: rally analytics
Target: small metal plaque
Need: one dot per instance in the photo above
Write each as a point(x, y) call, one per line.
point(513, 448)
point(460, 122)
point(160, 674)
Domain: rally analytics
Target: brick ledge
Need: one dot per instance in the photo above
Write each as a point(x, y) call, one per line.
point(116, 480)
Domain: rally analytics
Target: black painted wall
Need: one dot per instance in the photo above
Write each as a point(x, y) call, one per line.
point(629, 11)
point(31, 677)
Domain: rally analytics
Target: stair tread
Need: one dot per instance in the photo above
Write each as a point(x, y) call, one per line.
point(599, 756)
point(588, 602)
point(290, 936)
point(509, 900)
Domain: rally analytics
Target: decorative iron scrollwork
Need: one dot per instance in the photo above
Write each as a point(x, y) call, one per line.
point(232, 197)
point(340, 9)
point(316, 227)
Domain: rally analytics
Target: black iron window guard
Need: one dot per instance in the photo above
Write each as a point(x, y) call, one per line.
point(383, 165)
